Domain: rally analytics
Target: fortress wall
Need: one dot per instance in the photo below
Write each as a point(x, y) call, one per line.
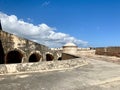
point(110, 51)
point(86, 52)
point(100, 51)
point(10, 43)
point(56, 53)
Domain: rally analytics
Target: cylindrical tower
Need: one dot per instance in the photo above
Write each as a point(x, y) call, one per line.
point(70, 48)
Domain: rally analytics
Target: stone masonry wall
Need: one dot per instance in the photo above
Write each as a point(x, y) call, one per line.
point(42, 66)
point(10, 42)
point(86, 52)
point(110, 51)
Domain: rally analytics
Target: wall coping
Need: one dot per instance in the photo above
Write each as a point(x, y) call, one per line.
point(43, 66)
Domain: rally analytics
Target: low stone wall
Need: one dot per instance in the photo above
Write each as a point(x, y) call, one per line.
point(86, 53)
point(109, 51)
point(41, 66)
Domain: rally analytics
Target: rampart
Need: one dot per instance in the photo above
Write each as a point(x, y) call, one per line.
point(109, 51)
point(14, 49)
point(86, 52)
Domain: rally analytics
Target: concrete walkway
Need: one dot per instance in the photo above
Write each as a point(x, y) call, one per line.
point(97, 75)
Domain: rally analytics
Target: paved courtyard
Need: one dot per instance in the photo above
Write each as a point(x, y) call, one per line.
point(97, 75)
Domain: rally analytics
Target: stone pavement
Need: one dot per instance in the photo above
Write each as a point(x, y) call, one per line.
point(97, 75)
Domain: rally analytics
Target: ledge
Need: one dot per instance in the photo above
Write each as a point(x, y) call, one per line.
point(42, 66)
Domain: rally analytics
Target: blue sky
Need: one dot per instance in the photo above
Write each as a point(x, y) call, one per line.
point(94, 21)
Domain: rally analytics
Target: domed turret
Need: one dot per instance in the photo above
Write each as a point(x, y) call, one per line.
point(70, 48)
point(69, 45)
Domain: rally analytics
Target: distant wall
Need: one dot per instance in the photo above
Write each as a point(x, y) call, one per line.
point(86, 52)
point(109, 51)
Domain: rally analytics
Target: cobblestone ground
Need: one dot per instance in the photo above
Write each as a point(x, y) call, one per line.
point(97, 75)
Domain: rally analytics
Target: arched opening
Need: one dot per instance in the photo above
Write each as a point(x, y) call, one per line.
point(1, 53)
point(35, 57)
point(14, 57)
point(49, 57)
point(60, 58)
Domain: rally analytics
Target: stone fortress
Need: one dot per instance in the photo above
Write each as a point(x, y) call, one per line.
point(14, 49)
point(22, 55)
point(24, 65)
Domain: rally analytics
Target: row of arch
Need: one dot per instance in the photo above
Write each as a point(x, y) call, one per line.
point(16, 56)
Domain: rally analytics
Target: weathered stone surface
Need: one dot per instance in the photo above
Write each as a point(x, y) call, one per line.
point(86, 53)
point(41, 66)
point(109, 51)
point(3, 69)
point(10, 43)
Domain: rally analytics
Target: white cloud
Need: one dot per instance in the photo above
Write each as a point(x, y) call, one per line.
point(41, 33)
point(46, 3)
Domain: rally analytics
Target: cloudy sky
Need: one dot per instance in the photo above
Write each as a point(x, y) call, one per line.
point(86, 23)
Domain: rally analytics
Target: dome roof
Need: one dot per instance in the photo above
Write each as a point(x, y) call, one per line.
point(70, 44)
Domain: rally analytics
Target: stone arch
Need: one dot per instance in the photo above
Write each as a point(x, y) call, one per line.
point(35, 56)
point(59, 55)
point(2, 54)
point(49, 56)
point(59, 58)
point(14, 56)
